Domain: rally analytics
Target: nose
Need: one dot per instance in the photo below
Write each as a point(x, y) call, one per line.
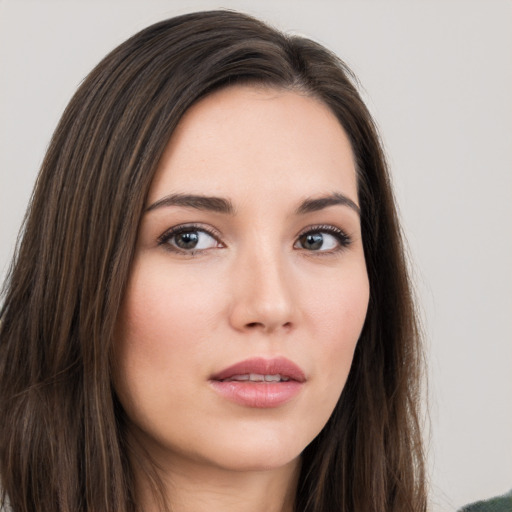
point(263, 298)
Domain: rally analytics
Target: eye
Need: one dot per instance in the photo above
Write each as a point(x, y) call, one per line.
point(189, 239)
point(323, 239)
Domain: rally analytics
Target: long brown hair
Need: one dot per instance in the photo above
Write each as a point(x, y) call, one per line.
point(62, 442)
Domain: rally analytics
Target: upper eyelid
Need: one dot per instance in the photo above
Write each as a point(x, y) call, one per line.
point(344, 239)
point(323, 227)
point(168, 233)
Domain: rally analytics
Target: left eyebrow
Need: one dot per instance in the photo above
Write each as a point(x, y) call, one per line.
point(319, 203)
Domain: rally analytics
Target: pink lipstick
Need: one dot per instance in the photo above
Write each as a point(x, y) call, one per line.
point(259, 382)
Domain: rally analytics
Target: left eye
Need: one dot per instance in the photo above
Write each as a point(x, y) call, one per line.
point(190, 240)
point(321, 241)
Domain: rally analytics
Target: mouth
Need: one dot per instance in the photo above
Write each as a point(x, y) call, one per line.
point(259, 369)
point(257, 377)
point(259, 382)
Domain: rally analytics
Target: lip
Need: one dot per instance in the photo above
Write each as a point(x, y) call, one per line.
point(261, 394)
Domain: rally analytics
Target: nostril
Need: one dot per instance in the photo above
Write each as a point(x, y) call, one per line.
point(253, 325)
point(261, 325)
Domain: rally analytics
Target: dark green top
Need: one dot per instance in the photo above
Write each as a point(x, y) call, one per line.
point(498, 504)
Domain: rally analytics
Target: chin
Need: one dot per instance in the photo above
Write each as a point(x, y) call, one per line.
point(251, 462)
point(262, 454)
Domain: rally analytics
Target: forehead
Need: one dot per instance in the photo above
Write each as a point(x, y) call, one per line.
point(247, 139)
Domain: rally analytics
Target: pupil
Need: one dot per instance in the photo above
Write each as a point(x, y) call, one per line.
point(187, 240)
point(313, 241)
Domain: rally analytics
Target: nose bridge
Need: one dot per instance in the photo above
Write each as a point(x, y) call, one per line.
point(263, 297)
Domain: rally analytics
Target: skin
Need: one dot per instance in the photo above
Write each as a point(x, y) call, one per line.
point(254, 288)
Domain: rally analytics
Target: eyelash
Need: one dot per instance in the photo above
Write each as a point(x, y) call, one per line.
point(343, 239)
point(186, 228)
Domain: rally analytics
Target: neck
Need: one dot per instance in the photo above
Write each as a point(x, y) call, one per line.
point(193, 487)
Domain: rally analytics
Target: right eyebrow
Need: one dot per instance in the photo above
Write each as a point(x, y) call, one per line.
point(199, 202)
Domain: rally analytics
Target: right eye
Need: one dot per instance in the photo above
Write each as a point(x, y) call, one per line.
point(189, 239)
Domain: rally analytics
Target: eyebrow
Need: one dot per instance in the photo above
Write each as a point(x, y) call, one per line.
point(199, 202)
point(319, 203)
point(222, 205)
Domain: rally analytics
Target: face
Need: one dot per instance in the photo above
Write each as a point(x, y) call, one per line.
point(249, 288)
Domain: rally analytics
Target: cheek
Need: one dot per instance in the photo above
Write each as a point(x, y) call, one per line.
point(164, 323)
point(338, 321)
point(337, 306)
point(161, 306)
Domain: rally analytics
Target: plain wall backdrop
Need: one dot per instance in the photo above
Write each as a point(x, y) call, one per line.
point(437, 75)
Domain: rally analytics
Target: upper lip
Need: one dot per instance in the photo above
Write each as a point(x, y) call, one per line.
point(262, 366)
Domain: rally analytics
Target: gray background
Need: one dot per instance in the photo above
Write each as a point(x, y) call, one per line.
point(438, 78)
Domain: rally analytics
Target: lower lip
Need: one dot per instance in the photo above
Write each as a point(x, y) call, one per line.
point(258, 394)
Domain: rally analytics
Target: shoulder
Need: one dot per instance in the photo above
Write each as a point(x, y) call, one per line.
point(498, 504)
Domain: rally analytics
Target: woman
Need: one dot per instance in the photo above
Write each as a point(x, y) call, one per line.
point(209, 307)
